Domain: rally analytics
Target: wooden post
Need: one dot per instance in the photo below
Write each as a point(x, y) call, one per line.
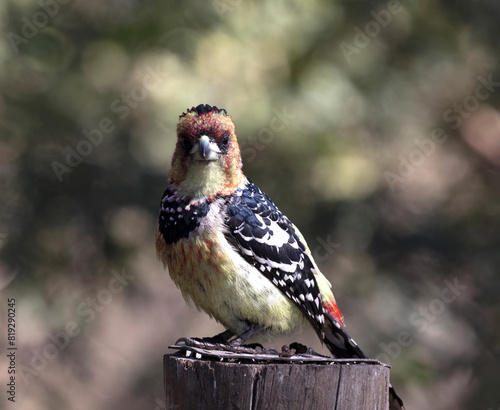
point(209, 383)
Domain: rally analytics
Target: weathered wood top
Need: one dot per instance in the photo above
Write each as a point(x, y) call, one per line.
point(224, 380)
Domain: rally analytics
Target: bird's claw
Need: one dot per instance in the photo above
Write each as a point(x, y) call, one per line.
point(226, 347)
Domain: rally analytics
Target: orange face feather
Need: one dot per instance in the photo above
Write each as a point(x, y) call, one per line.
point(217, 125)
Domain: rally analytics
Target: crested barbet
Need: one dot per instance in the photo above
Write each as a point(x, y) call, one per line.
point(232, 251)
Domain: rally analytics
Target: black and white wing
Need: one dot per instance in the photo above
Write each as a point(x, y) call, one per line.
point(269, 241)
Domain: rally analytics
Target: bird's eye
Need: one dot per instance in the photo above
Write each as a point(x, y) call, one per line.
point(186, 144)
point(225, 140)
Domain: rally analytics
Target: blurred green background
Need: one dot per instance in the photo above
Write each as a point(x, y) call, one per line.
point(373, 125)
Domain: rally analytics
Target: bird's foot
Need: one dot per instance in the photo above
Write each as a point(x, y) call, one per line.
point(296, 348)
point(213, 344)
point(221, 338)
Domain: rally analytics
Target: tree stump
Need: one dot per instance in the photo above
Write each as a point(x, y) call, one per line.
point(209, 383)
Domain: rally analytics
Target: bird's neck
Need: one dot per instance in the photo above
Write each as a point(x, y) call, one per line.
point(207, 180)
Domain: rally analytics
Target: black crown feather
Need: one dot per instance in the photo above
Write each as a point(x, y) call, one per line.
point(204, 109)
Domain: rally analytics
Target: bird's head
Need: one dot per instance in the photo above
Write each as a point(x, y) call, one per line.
point(207, 159)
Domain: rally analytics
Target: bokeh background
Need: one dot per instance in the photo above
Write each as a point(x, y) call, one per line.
point(373, 125)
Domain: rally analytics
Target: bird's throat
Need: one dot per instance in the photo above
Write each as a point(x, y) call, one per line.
point(203, 179)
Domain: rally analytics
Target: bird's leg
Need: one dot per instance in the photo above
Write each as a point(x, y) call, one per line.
point(237, 344)
point(221, 338)
point(247, 334)
point(215, 342)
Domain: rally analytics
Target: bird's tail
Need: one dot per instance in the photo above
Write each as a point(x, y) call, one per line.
point(338, 341)
point(341, 345)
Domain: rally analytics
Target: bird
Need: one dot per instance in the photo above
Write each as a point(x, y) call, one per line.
point(233, 253)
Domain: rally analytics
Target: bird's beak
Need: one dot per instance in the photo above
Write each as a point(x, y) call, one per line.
point(204, 150)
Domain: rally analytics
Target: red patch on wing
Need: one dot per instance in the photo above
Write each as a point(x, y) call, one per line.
point(333, 309)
